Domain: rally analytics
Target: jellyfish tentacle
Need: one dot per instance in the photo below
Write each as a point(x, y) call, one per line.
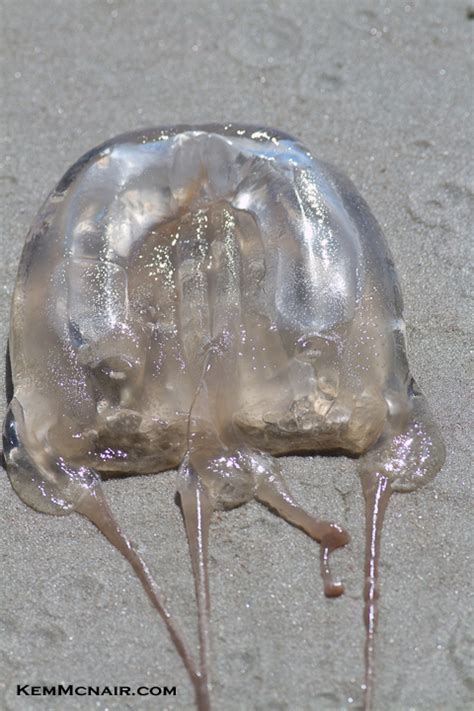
point(94, 507)
point(272, 492)
point(377, 491)
point(47, 483)
point(197, 509)
point(407, 456)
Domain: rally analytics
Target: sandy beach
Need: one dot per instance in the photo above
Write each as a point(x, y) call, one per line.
point(384, 91)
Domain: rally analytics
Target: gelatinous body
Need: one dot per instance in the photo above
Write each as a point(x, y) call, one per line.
point(206, 298)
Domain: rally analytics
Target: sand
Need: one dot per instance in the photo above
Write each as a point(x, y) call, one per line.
point(384, 91)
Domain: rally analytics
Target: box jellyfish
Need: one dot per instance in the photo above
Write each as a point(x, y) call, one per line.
point(209, 298)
